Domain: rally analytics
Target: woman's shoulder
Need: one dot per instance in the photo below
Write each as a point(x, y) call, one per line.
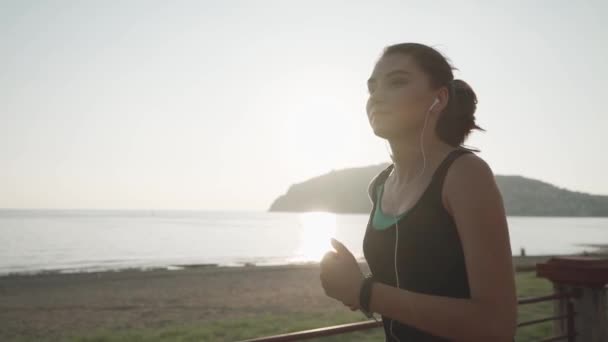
point(469, 175)
point(469, 164)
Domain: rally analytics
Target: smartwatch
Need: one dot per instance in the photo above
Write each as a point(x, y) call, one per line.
point(365, 293)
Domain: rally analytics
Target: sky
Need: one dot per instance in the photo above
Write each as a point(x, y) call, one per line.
point(222, 105)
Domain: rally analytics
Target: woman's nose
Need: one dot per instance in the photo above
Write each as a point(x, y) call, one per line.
point(377, 97)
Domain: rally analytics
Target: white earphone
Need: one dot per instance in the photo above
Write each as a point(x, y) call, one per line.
point(435, 102)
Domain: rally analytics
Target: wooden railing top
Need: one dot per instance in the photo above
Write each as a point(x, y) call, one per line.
point(588, 271)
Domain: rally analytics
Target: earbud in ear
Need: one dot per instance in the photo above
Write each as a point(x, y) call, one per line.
point(434, 103)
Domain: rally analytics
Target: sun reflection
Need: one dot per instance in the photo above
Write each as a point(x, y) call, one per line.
point(316, 230)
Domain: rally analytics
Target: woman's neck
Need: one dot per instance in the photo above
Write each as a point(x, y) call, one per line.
point(408, 159)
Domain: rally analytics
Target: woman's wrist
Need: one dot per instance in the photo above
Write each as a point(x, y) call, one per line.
point(365, 292)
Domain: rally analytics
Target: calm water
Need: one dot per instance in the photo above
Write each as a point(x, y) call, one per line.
point(76, 241)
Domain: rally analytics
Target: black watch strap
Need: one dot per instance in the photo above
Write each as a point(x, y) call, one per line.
point(365, 293)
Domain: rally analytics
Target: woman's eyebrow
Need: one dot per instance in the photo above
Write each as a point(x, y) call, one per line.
point(371, 79)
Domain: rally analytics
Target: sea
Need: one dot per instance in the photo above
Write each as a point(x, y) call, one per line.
point(69, 241)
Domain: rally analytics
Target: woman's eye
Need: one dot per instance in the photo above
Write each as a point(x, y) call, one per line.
point(395, 82)
point(398, 82)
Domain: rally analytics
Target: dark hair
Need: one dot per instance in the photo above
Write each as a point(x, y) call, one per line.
point(457, 120)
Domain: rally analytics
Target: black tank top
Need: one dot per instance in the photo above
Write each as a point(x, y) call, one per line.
point(430, 258)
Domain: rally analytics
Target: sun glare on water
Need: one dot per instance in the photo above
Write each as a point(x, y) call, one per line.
point(316, 230)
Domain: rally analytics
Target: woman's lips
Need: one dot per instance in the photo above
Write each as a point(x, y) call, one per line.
point(379, 112)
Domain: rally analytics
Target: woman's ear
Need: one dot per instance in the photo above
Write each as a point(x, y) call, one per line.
point(443, 96)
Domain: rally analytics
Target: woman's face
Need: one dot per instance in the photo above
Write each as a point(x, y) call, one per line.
point(399, 97)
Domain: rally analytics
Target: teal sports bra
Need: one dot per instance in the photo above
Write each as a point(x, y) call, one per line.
point(381, 221)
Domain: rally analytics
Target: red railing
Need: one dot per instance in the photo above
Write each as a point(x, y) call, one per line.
point(352, 327)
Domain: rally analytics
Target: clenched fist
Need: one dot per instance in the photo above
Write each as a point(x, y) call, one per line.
point(340, 275)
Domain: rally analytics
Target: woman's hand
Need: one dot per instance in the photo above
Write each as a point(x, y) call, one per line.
point(340, 275)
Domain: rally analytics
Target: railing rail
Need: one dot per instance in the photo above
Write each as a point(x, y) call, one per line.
point(320, 332)
point(568, 276)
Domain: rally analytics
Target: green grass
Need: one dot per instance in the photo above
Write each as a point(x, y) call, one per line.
point(528, 285)
point(243, 328)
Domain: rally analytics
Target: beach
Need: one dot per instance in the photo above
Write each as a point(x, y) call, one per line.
point(49, 305)
point(54, 306)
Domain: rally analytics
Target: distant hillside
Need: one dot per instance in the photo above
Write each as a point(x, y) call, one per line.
point(345, 191)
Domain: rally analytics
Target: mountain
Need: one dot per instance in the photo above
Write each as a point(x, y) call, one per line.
point(345, 191)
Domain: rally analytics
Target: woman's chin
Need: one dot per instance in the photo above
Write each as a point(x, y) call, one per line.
point(384, 132)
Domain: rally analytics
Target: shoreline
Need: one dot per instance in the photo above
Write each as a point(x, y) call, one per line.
point(520, 263)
